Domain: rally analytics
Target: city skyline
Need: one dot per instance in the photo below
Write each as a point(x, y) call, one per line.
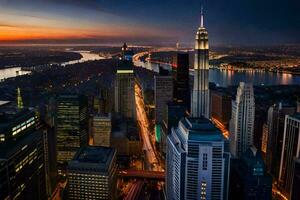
point(148, 22)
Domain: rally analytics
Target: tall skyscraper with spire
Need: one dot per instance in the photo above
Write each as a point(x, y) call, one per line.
point(200, 95)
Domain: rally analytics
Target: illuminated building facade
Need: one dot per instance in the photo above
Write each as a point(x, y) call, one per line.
point(71, 126)
point(101, 130)
point(275, 124)
point(92, 173)
point(200, 96)
point(180, 70)
point(197, 167)
point(248, 177)
point(124, 90)
point(242, 120)
point(22, 164)
point(290, 150)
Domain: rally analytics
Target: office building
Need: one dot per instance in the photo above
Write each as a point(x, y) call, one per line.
point(22, 155)
point(290, 149)
point(124, 90)
point(295, 192)
point(125, 138)
point(249, 178)
point(196, 164)
point(101, 130)
point(163, 93)
point(275, 123)
point(71, 126)
point(174, 113)
point(92, 173)
point(200, 96)
point(180, 70)
point(221, 107)
point(242, 120)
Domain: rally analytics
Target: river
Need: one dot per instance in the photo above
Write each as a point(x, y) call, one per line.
point(17, 71)
point(226, 78)
point(222, 78)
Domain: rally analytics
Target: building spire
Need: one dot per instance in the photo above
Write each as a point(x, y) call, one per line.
point(201, 25)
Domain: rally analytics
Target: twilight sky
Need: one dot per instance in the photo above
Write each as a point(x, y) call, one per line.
point(229, 22)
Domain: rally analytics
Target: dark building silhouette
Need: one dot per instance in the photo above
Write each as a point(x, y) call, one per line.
point(275, 126)
point(221, 107)
point(22, 156)
point(295, 192)
point(248, 177)
point(172, 116)
point(180, 69)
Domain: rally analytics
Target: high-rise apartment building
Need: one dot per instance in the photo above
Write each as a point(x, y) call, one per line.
point(242, 120)
point(124, 90)
point(22, 156)
point(71, 126)
point(290, 150)
point(92, 173)
point(200, 96)
point(196, 164)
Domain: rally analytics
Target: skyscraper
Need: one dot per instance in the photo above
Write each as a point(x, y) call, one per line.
point(290, 149)
point(249, 178)
point(71, 126)
point(92, 173)
point(180, 70)
point(22, 156)
point(163, 93)
point(200, 96)
point(275, 124)
point(196, 164)
point(124, 90)
point(242, 120)
point(101, 130)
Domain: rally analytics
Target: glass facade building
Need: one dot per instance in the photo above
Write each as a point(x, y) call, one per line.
point(71, 125)
point(22, 159)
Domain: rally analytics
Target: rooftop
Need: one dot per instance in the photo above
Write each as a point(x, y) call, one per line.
point(296, 116)
point(201, 129)
point(94, 157)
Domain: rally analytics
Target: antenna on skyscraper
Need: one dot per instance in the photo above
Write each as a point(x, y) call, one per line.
point(201, 24)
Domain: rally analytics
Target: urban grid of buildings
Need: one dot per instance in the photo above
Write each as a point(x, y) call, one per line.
point(102, 147)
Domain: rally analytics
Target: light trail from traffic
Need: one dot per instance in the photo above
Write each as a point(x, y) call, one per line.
point(144, 130)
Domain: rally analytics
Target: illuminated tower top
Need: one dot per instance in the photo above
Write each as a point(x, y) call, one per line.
point(202, 35)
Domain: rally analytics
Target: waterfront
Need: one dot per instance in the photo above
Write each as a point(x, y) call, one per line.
point(226, 78)
point(12, 72)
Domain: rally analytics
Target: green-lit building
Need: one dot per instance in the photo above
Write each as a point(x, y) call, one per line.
point(71, 126)
point(22, 156)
